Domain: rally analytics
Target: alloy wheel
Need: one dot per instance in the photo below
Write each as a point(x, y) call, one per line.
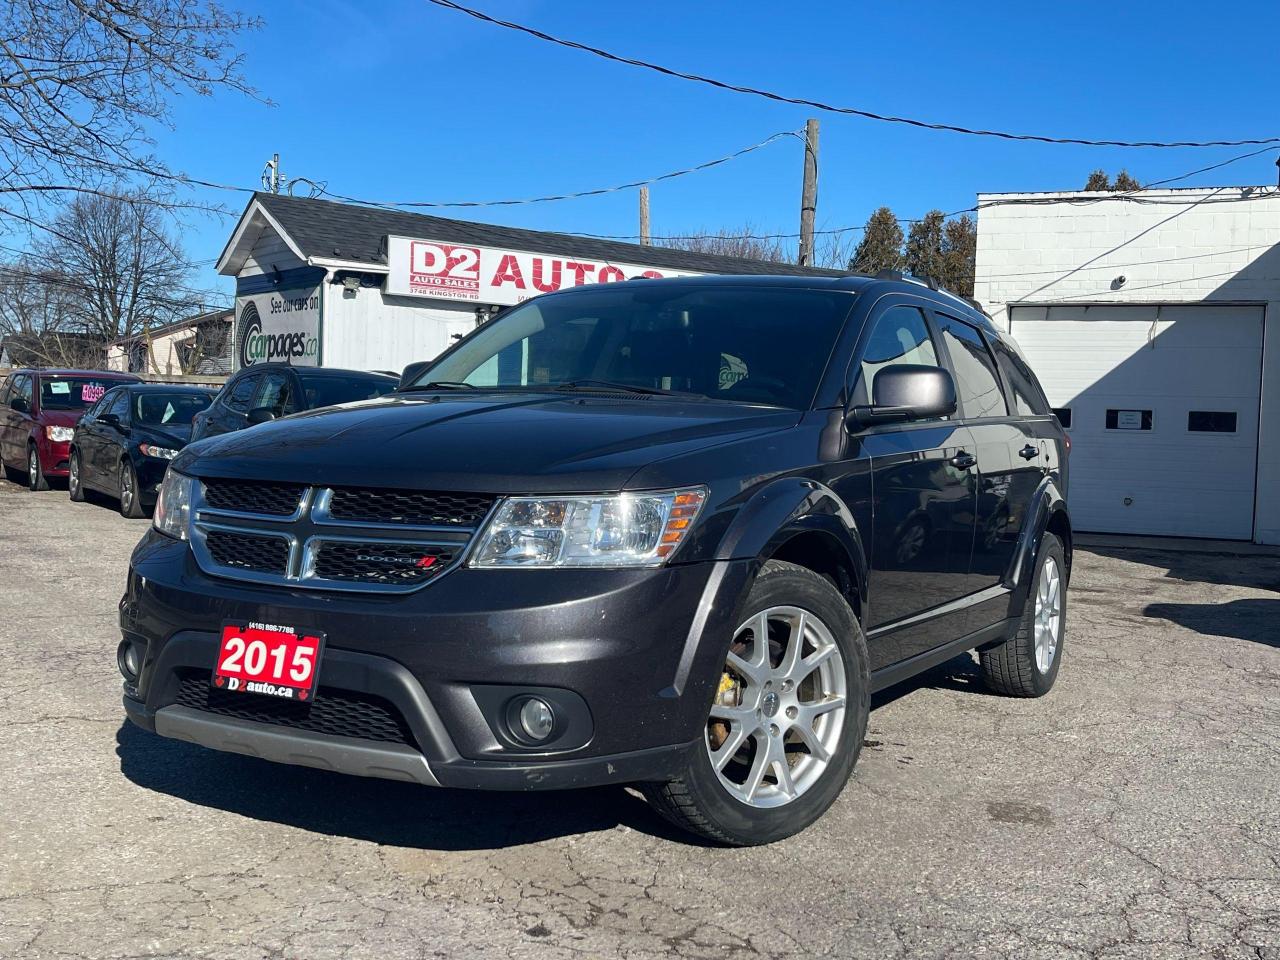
point(1048, 615)
point(126, 489)
point(33, 468)
point(73, 474)
point(776, 722)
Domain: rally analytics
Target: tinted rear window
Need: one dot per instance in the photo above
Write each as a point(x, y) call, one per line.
point(72, 393)
point(159, 409)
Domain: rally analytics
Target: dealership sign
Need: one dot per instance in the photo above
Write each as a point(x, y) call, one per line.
point(279, 327)
point(451, 271)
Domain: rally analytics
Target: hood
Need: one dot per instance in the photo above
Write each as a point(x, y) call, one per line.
point(487, 443)
point(59, 418)
point(175, 436)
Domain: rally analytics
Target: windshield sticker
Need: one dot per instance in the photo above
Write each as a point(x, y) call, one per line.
point(59, 386)
point(89, 392)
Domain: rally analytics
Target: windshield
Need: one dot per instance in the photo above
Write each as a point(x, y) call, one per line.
point(168, 409)
point(72, 393)
point(749, 344)
point(325, 391)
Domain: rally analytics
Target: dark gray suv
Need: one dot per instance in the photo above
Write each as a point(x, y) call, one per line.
point(672, 533)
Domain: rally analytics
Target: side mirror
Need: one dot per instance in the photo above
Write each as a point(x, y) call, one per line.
point(20, 404)
point(411, 372)
point(109, 419)
point(905, 392)
point(261, 415)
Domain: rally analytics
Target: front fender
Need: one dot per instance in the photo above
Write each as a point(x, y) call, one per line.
point(776, 513)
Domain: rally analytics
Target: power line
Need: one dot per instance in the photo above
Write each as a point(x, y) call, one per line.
point(830, 108)
point(570, 196)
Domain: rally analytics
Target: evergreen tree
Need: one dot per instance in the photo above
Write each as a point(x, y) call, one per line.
point(924, 246)
point(881, 245)
point(959, 255)
point(1098, 181)
point(1125, 183)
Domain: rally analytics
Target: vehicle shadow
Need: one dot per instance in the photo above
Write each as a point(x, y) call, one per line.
point(1261, 572)
point(1256, 619)
point(381, 811)
point(961, 673)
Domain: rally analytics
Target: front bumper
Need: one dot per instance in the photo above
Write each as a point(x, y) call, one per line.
point(631, 658)
point(53, 456)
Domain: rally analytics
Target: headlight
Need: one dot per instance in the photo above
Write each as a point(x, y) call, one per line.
point(173, 505)
point(151, 450)
point(622, 530)
point(60, 434)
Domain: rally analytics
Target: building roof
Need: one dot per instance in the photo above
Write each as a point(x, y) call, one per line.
point(225, 315)
point(344, 235)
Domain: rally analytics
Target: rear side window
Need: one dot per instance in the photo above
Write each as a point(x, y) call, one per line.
point(1025, 395)
point(120, 406)
point(22, 388)
point(241, 393)
point(977, 386)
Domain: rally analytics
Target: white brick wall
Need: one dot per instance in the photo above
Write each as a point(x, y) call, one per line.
point(1181, 246)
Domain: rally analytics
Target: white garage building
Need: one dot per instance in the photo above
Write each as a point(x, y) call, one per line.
point(1153, 322)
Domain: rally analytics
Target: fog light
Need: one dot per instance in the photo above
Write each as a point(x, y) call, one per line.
point(128, 661)
point(536, 719)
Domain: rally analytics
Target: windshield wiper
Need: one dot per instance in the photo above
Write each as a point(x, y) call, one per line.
point(438, 385)
point(593, 384)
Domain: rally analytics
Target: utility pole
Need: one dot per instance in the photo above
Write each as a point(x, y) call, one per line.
point(809, 193)
point(271, 174)
point(644, 216)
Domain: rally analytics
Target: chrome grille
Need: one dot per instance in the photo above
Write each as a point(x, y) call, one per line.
point(309, 537)
point(241, 496)
point(411, 507)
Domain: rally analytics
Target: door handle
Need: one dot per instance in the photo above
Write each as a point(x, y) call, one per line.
point(1029, 452)
point(963, 461)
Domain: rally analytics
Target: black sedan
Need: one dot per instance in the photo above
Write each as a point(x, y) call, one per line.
point(123, 444)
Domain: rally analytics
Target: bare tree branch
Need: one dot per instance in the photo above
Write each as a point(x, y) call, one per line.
point(83, 81)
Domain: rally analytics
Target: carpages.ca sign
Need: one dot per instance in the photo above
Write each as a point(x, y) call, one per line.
point(279, 326)
point(450, 271)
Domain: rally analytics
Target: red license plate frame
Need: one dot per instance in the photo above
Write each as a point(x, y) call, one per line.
point(268, 660)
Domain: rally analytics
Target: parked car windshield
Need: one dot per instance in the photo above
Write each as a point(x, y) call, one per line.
point(327, 390)
point(750, 344)
point(160, 409)
point(72, 393)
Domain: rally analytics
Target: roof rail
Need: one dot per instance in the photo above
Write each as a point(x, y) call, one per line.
point(903, 276)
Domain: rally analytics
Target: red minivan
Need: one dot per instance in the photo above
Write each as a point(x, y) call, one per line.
point(38, 413)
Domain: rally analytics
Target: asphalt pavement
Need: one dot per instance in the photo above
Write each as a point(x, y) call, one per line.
point(1133, 812)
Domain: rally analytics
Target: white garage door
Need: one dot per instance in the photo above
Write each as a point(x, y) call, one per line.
point(1163, 409)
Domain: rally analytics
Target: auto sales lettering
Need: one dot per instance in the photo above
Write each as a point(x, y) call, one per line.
point(427, 268)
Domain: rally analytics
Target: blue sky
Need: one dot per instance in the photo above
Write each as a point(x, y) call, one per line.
point(403, 100)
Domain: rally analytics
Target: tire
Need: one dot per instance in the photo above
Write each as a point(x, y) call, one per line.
point(75, 485)
point(1025, 666)
point(36, 479)
point(130, 495)
point(794, 785)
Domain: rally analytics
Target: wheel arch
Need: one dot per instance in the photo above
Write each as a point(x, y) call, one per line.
point(1046, 513)
point(803, 522)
